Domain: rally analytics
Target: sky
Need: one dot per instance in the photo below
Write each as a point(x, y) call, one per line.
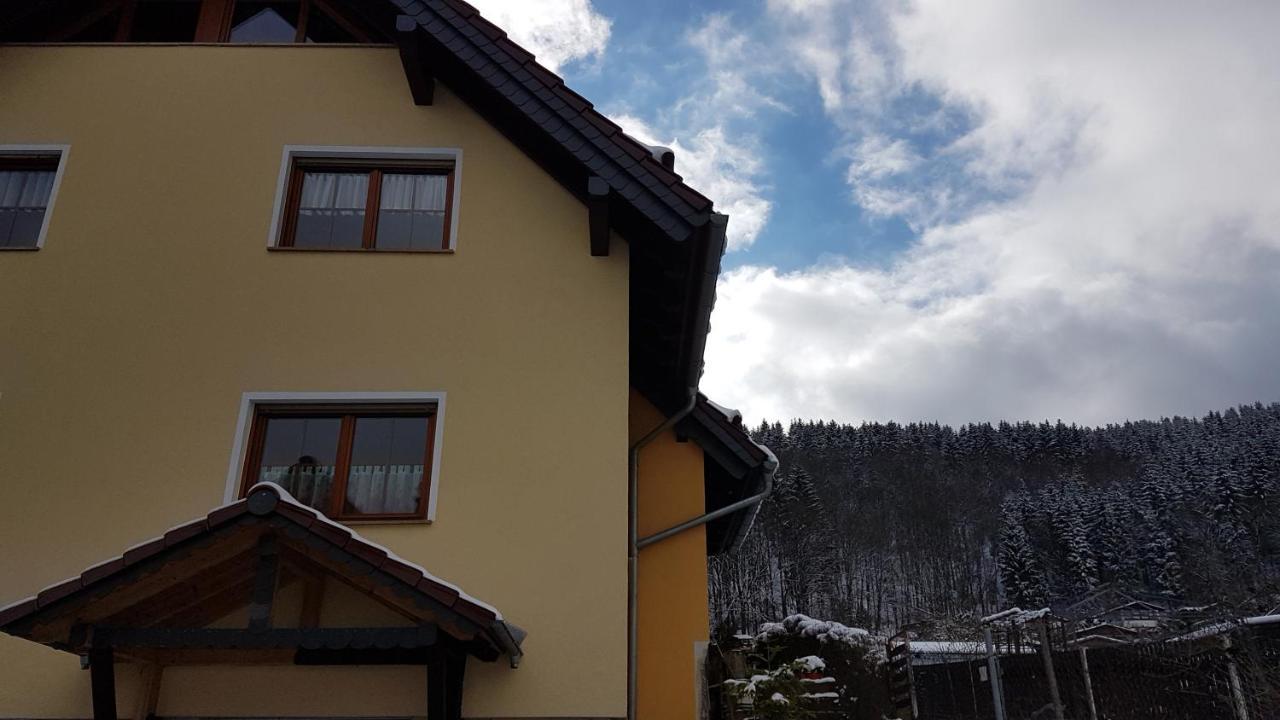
point(962, 211)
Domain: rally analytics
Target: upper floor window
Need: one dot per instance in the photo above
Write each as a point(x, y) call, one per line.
point(368, 205)
point(26, 191)
point(183, 21)
point(350, 462)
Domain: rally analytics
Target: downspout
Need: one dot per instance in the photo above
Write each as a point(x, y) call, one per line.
point(633, 546)
point(770, 467)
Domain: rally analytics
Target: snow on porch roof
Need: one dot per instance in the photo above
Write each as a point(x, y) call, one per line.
point(267, 502)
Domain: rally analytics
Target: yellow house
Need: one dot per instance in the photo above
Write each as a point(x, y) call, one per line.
point(348, 368)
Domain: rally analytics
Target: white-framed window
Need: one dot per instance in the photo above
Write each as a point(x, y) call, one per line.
point(367, 199)
point(29, 179)
point(354, 456)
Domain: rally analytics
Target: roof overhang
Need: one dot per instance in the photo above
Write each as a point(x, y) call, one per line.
point(735, 467)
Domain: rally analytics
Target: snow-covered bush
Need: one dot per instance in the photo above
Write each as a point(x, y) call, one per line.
point(851, 659)
point(779, 694)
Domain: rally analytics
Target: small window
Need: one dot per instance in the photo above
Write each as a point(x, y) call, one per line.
point(350, 463)
point(363, 206)
point(26, 187)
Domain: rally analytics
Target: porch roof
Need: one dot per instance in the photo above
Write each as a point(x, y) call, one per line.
point(160, 593)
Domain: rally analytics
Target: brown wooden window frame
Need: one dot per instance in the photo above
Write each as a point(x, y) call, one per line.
point(213, 22)
point(214, 25)
point(299, 167)
point(38, 161)
point(349, 414)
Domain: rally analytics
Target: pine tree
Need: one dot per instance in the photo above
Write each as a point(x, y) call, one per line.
point(1020, 572)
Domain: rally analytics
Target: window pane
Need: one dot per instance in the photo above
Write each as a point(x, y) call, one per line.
point(299, 454)
point(264, 22)
point(331, 210)
point(411, 212)
point(24, 195)
point(387, 464)
point(165, 21)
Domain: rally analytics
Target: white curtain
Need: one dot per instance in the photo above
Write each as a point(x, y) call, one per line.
point(309, 484)
point(384, 488)
point(419, 193)
point(27, 189)
point(334, 191)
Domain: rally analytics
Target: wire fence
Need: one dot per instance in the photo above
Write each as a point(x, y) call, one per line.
point(1042, 671)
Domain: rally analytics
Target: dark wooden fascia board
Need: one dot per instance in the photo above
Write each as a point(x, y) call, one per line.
point(422, 86)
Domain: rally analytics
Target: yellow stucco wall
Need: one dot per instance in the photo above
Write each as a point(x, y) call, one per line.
point(673, 573)
point(126, 343)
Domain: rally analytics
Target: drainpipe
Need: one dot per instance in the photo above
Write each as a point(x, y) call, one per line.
point(636, 544)
point(771, 466)
point(633, 547)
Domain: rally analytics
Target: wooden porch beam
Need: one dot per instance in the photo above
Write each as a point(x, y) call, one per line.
point(598, 215)
point(409, 39)
point(102, 682)
point(421, 636)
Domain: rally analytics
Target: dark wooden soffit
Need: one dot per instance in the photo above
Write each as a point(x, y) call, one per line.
point(242, 552)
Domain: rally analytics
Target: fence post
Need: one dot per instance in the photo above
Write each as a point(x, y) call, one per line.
point(1233, 675)
point(993, 675)
point(1088, 683)
point(1048, 669)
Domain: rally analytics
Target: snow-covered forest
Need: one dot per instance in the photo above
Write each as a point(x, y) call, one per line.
point(879, 525)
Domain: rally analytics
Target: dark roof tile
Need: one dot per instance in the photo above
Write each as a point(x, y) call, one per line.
point(228, 512)
point(17, 610)
point(102, 570)
point(371, 554)
point(57, 592)
point(439, 591)
point(185, 532)
point(141, 552)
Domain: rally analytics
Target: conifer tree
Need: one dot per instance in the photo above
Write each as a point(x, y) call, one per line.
point(1020, 572)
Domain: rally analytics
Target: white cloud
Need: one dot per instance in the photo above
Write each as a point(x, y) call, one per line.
point(557, 31)
point(705, 129)
point(723, 169)
point(1119, 257)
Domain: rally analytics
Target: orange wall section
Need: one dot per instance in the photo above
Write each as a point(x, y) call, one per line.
point(673, 573)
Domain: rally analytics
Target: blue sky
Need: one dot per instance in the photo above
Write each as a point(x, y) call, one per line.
point(962, 211)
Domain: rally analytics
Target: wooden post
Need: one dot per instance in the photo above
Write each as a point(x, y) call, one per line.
point(1047, 655)
point(1088, 684)
point(993, 676)
point(1233, 676)
point(102, 682)
point(444, 687)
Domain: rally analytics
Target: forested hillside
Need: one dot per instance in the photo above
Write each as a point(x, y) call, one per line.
point(878, 525)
